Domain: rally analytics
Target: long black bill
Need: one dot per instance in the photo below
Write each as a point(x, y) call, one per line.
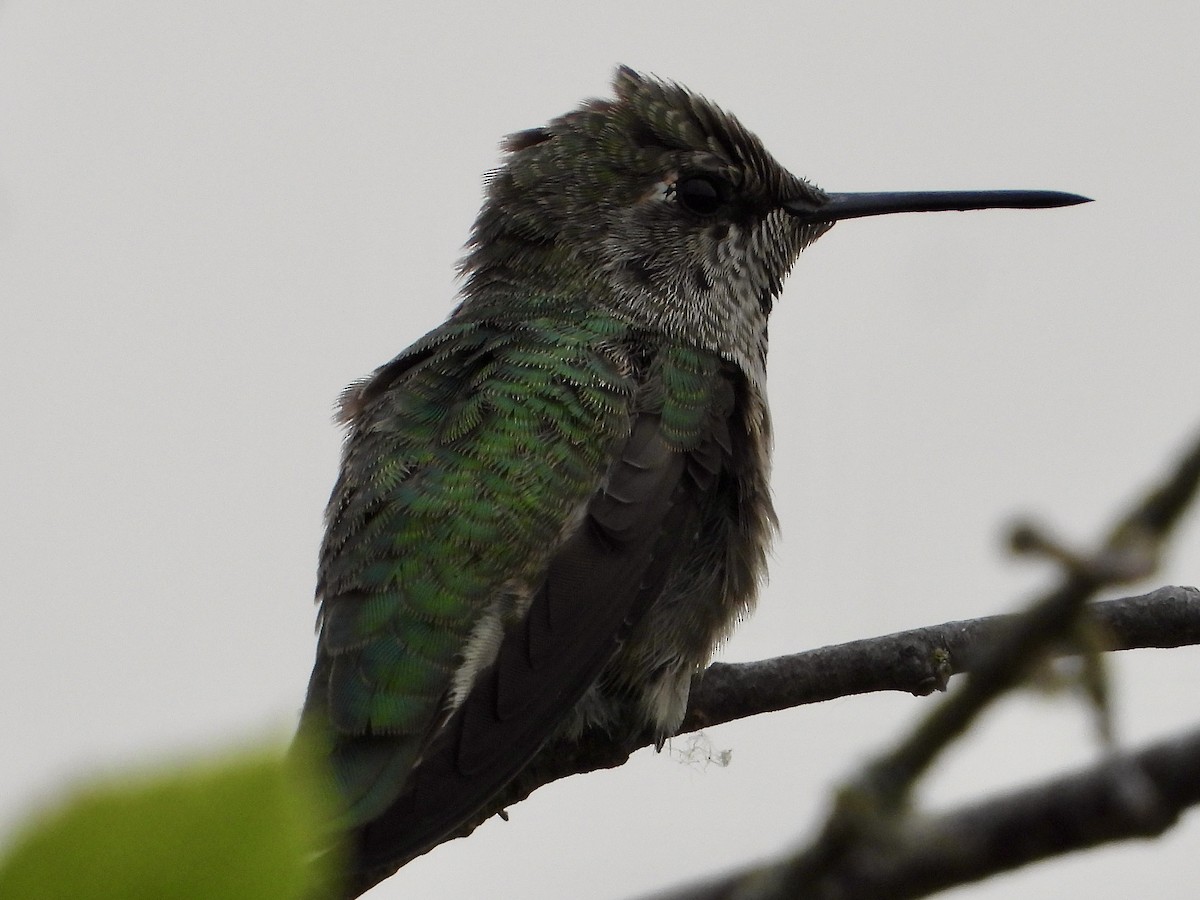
point(853, 206)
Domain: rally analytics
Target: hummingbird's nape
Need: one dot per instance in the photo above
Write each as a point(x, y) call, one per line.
point(553, 507)
point(856, 205)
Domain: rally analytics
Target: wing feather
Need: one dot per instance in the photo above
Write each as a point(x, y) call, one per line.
point(598, 585)
point(462, 467)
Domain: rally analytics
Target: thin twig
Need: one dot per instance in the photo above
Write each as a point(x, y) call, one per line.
point(876, 801)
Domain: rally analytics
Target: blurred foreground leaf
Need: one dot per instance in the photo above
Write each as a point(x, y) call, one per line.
point(244, 826)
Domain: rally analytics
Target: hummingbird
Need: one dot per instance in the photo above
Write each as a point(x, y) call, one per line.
point(553, 508)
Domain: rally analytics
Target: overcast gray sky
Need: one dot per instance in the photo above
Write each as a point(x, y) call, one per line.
point(213, 216)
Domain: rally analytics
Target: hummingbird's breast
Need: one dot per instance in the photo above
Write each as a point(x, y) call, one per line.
point(716, 415)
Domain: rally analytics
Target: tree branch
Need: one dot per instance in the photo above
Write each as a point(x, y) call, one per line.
point(876, 800)
point(919, 661)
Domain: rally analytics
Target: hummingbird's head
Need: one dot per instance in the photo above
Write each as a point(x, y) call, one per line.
point(658, 203)
point(662, 207)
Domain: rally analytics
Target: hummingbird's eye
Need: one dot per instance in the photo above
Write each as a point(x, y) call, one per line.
point(701, 195)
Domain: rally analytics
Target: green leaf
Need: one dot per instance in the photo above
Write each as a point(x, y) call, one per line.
point(246, 826)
